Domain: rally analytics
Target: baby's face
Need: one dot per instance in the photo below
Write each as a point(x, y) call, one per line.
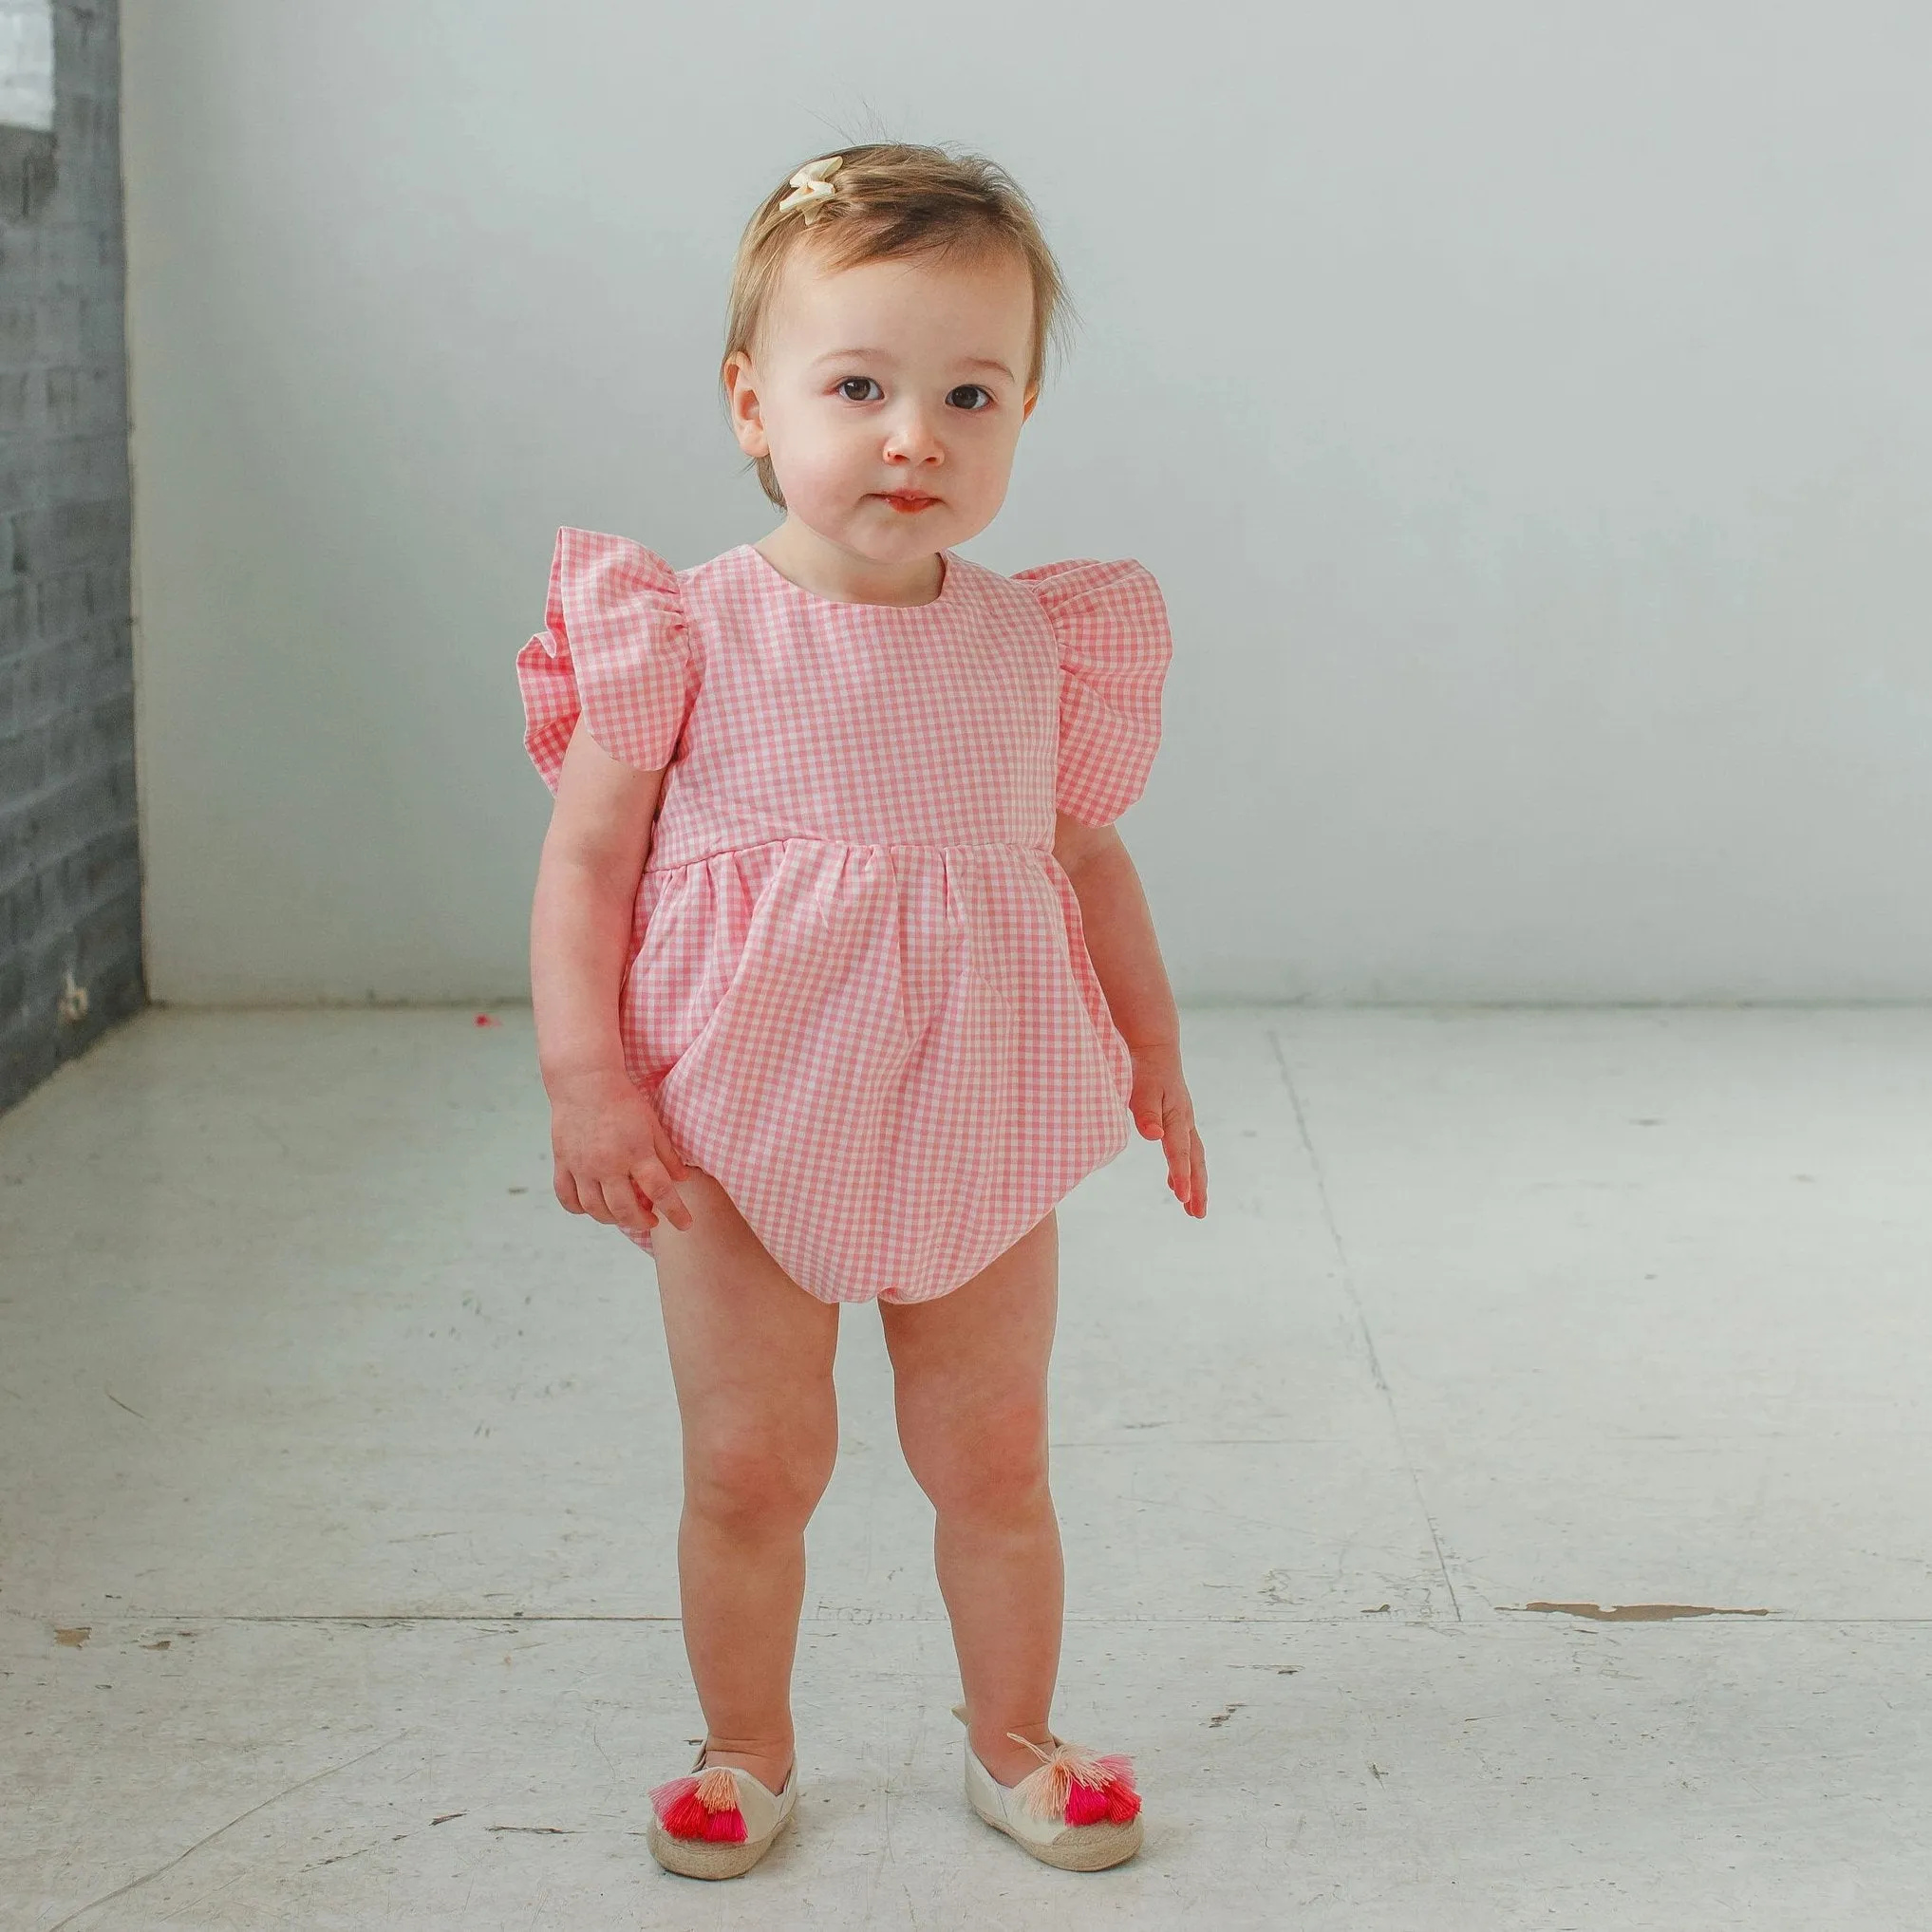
point(890, 397)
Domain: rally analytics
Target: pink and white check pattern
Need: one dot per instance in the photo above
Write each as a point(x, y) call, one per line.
point(859, 993)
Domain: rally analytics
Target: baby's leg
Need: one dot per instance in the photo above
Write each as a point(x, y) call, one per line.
point(751, 1354)
point(970, 1376)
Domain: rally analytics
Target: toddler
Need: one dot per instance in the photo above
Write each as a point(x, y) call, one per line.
point(842, 975)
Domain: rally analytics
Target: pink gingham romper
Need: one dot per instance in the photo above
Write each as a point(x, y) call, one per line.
point(859, 992)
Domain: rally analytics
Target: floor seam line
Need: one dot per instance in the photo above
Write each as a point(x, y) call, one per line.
point(1354, 1293)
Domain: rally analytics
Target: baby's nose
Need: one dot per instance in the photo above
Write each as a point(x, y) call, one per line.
point(913, 439)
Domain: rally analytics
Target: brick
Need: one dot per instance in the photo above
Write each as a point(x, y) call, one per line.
point(89, 735)
point(22, 907)
point(77, 402)
point(18, 394)
point(30, 172)
point(54, 674)
point(16, 606)
point(19, 332)
point(70, 847)
point(110, 590)
point(58, 327)
point(23, 765)
point(38, 472)
point(85, 889)
point(57, 534)
point(26, 1059)
point(39, 829)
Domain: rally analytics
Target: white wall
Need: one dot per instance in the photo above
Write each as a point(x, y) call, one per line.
point(1527, 406)
point(26, 64)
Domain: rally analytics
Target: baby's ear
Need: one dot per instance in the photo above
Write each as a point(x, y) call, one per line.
point(1027, 407)
point(740, 390)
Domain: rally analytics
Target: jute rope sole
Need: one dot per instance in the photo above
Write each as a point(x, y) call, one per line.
point(1079, 1847)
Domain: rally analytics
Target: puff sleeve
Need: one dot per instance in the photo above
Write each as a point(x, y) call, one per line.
point(1109, 621)
point(614, 648)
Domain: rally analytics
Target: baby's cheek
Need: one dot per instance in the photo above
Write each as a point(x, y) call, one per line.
point(820, 484)
point(978, 483)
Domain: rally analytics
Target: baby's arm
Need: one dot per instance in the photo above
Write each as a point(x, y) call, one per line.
point(1127, 961)
point(608, 1144)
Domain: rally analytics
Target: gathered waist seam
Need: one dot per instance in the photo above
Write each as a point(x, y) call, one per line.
point(855, 845)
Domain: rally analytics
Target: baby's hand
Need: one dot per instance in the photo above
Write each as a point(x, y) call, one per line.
point(614, 1161)
point(1163, 1111)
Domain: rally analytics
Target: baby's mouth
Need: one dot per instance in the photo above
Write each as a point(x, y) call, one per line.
point(906, 500)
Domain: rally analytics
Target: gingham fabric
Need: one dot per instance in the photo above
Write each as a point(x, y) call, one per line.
point(859, 994)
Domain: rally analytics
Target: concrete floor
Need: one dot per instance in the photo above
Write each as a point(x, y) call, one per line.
point(336, 1584)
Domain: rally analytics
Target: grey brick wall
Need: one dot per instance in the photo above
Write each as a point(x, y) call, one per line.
point(70, 856)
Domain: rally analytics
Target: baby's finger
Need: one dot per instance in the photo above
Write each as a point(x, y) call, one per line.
point(565, 1182)
point(1181, 1184)
point(665, 1149)
point(621, 1198)
point(591, 1192)
point(654, 1184)
point(1174, 1142)
point(596, 1203)
point(1187, 1164)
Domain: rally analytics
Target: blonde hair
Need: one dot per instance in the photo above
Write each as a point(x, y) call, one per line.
point(893, 199)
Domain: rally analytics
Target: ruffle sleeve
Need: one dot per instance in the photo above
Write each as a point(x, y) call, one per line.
point(614, 648)
point(1111, 623)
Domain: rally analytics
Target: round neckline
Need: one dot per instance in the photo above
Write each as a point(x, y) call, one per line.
point(948, 571)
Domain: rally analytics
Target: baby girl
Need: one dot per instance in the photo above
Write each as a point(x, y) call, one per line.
point(842, 974)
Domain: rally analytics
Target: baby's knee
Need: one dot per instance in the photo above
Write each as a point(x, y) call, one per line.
point(995, 1466)
point(758, 1480)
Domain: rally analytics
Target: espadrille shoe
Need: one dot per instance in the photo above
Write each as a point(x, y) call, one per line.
point(717, 1822)
point(1075, 1810)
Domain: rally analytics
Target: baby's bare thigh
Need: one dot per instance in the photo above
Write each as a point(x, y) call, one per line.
point(988, 1339)
point(739, 1327)
point(719, 1234)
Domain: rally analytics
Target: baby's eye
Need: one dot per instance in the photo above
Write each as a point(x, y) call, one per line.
point(961, 398)
point(860, 384)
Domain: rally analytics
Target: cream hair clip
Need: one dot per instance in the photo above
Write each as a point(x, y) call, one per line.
point(810, 185)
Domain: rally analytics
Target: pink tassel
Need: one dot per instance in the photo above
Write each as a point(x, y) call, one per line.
point(678, 1809)
point(702, 1807)
point(725, 1827)
point(1086, 1805)
point(1123, 1795)
point(1073, 1785)
point(1045, 1791)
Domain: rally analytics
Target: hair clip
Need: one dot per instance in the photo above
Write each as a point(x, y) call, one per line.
point(810, 185)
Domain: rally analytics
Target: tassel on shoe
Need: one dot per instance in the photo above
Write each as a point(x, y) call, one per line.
point(1074, 1786)
point(702, 1807)
point(1077, 1811)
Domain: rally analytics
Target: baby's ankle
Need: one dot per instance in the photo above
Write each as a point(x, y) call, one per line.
point(1007, 1761)
point(768, 1759)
